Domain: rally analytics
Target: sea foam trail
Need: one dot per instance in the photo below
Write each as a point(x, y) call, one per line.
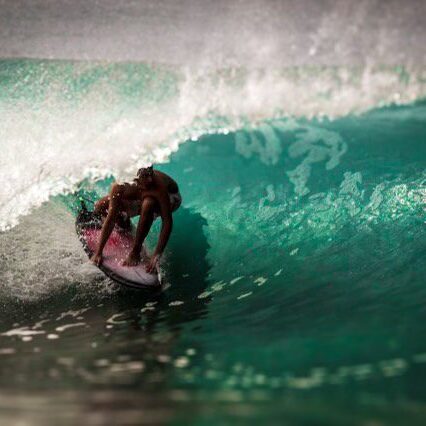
point(64, 121)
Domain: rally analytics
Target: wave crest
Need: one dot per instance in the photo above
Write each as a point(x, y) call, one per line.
point(64, 121)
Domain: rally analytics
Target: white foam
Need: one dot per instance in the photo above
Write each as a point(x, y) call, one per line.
point(22, 332)
point(67, 326)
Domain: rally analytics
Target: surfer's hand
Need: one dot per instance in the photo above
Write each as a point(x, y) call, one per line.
point(132, 259)
point(96, 259)
point(152, 265)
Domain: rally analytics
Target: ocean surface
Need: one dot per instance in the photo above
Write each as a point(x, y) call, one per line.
point(295, 271)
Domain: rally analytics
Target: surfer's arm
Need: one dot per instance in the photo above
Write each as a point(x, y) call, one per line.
point(108, 226)
point(166, 229)
point(166, 226)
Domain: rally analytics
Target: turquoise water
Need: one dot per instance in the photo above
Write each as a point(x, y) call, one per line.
point(295, 269)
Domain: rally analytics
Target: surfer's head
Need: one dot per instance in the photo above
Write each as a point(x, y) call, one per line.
point(145, 176)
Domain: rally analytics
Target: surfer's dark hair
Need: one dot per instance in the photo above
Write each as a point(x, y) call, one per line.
point(145, 172)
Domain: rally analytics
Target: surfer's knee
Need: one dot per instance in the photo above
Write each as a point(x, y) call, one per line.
point(148, 205)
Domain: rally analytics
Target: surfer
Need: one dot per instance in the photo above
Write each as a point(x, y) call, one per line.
point(152, 194)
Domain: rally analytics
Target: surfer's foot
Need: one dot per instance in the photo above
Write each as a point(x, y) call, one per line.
point(133, 259)
point(96, 259)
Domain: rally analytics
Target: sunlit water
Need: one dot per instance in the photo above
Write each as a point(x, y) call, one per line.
point(295, 272)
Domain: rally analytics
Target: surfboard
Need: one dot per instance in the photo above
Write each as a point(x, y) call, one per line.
point(89, 226)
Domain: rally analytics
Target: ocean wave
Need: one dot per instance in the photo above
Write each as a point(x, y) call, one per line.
point(65, 121)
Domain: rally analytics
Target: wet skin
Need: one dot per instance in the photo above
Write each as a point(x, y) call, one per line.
point(149, 194)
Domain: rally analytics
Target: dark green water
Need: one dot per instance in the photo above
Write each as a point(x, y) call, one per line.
point(296, 273)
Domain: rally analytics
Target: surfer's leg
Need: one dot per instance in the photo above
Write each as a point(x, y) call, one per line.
point(175, 201)
point(144, 225)
point(123, 217)
point(129, 209)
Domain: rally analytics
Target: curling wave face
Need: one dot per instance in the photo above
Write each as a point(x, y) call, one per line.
point(64, 121)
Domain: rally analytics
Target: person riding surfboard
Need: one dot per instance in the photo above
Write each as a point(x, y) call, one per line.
point(152, 194)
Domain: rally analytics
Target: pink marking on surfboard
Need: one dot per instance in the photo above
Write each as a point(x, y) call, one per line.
point(115, 252)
